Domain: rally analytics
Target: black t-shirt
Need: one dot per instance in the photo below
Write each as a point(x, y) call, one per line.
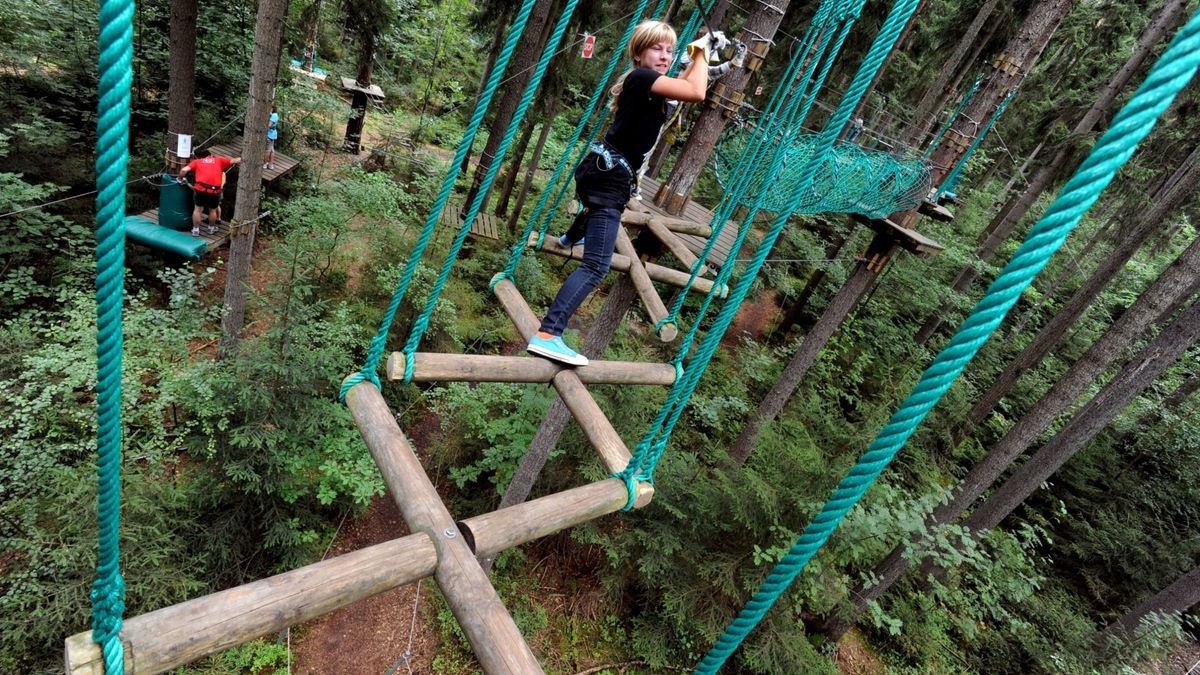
point(640, 114)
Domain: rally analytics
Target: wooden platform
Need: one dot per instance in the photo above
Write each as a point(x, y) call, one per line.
point(936, 211)
point(214, 241)
point(484, 227)
point(281, 166)
point(698, 214)
point(350, 84)
point(909, 240)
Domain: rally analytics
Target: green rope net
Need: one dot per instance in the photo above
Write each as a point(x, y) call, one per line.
point(851, 179)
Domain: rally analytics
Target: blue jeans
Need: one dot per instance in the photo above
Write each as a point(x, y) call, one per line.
point(602, 226)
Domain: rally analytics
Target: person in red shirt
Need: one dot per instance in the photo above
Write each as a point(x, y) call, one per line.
point(209, 173)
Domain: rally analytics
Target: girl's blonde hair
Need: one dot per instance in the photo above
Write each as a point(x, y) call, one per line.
point(645, 35)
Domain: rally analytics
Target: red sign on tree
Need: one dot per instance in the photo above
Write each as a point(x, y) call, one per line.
point(589, 45)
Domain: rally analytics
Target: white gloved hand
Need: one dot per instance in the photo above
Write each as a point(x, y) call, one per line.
point(718, 41)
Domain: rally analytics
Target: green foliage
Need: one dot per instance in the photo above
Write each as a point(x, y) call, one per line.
point(253, 657)
point(492, 425)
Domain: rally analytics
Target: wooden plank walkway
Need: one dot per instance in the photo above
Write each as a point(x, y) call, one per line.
point(214, 241)
point(697, 214)
point(281, 166)
point(484, 227)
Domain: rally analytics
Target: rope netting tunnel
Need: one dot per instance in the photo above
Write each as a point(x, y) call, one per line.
point(850, 180)
point(1169, 75)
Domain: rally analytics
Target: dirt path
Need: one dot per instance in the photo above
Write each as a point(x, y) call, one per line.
point(377, 635)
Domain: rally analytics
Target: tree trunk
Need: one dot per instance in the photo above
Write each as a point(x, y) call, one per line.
point(901, 42)
point(1054, 330)
point(531, 168)
point(792, 316)
point(1169, 406)
point(1022, 53)
point(529, 50)
point(514, 165)
point(763, 21)
point(502, 23)
point(359, 101)
point(1177, 598)
point(1177, 280)
point(268, 40)
point(181, 118)
point(965, 69)
point(925, 115)
point(1048, 294)
point(1085, 424)
point(1004, 222)
point(837, 311)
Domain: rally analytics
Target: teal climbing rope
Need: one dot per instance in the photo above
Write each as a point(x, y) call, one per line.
point(548, 53)
point(379, 341)
point(953, 117)
point(950, 182)
point(112, 160)
point(541, 217)
point(650, 449)
point(1173, 70)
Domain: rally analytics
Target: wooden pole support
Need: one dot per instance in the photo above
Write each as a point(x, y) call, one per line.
point(620, 263)
point(435, 367)
point(173, 636)
point(645, 289)
point(599, 431)
point(494, 637)
point(680, 225)
point(673, 244)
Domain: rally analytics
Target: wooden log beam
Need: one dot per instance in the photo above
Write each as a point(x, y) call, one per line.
point(643, 218)
point(620, 263)
point(435, 367)
point(490, 629)
point(596, 427)
point(174, 636)
point(677, 248)
point(655, 307)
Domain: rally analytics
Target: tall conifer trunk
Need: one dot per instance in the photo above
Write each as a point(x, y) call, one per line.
point(1182, 595)
point(181, 117)
point(520, 71)
point(268, 41)
point(1053, 332)
point(1002, 225)
point(1175, 282)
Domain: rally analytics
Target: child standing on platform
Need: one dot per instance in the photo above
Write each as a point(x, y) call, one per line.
point(607, 175)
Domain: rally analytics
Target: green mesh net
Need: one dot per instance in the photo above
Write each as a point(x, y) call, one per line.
point(852, 180)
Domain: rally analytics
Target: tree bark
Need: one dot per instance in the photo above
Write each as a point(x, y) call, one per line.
point(1177, 598)
point(181, 117)
point(359, 101)
point(1085, 424)
point(529, 50)
point(514, 165)
point(501, 30)
point(268, 40)
point(763, 20)
point(1177, 280)
point(531, 168)
point(1002, 225)
point(837, 311)
point(794, 311)
point(1024, 49)
point(1054, 330)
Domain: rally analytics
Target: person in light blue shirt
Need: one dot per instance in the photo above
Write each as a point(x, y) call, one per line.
point(272, 134)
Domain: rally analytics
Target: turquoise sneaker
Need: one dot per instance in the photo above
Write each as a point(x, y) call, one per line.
point(556, 350)
point(567, 242)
